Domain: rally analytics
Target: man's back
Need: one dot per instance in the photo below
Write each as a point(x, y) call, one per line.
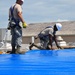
point(15, 9)
point(47, 31)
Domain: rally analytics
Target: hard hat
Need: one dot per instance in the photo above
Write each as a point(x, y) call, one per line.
point(59, 26)
point(22, 0)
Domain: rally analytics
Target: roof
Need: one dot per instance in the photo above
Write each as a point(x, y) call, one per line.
point(68, 28)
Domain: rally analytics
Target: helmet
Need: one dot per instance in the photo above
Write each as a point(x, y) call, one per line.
point(22, 0)
point(59, 26)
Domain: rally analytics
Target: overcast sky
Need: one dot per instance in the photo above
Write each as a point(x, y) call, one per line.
point(36, 11)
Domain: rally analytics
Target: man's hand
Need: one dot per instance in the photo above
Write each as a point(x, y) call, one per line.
point(24, 25)
point(52, 48)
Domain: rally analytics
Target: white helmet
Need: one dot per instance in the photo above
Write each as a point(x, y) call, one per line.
point(59, 26)
point(22, 0)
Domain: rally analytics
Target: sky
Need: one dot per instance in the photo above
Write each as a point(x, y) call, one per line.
point(40, 11)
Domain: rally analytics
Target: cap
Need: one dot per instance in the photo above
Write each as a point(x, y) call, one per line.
point(59, 26)
point(22, 0)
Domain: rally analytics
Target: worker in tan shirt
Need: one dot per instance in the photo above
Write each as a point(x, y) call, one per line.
point(47, 36)
point(16, 22)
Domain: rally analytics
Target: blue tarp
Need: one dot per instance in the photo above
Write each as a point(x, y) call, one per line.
point(39, 62)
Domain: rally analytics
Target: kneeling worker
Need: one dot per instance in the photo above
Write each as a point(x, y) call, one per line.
point(47, 37)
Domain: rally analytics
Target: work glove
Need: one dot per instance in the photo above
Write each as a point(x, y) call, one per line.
point(24, 25)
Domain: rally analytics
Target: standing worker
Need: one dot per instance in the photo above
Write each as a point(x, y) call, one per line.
point(47, 36)
point(16, 22)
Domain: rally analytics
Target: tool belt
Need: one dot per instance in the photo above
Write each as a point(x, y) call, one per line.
point(12, 24)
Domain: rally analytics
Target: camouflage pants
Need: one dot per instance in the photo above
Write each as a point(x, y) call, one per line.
point(16, 33)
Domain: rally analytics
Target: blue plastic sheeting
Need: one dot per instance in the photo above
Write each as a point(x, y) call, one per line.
point(39, 62)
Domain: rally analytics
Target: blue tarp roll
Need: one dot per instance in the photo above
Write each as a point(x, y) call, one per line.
point(39, 62)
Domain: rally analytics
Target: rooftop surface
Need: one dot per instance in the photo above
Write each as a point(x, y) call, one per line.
point(39, 62)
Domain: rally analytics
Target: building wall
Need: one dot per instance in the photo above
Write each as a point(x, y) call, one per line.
point(2, 34)
point(5, 34)
point(67, 38)
point(28, 39)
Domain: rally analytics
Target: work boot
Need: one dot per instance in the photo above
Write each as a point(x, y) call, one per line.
point(18, 51)
point(31, 45)
point(13, 50)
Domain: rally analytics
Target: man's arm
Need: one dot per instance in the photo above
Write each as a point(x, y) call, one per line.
point(55, 39)
point(21, 17)
point(22, 20)
point(50, 42)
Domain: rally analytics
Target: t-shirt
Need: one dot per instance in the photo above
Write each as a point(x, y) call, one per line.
point(47, 31)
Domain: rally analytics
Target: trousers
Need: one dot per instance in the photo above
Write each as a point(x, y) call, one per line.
point(16, 33)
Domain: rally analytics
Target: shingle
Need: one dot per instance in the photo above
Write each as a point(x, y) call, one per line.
point(68, 28)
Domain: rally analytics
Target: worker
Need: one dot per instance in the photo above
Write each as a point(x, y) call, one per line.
point(16, 22)
point(47, 36)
